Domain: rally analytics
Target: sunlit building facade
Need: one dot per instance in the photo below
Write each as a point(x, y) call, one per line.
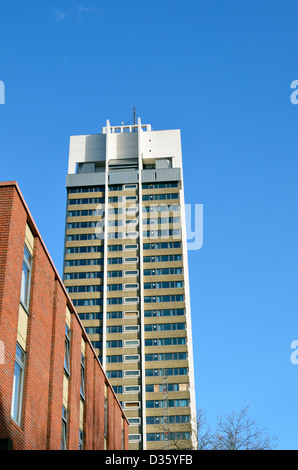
point(126, 271)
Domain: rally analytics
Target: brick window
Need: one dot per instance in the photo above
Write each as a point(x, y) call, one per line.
point(106, 415)
point(18, 381)
point(64, 429)
point(67, 350)
point(81, 440)
point(82, 389)
point(26, 278)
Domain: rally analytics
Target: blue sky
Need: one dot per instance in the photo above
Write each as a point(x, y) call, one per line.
point(221, 71)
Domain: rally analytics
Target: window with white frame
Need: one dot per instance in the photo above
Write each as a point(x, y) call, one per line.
point(81, 440)
point(134, 437)
point(67, 350)
point(131, 286)
point(131, 358)
point(64, 429)
point(131, 300)
point(132, 272)
point(130, 328)
point(131, 389)
point(82, 388)
point(131, 259)
point(18, 383)
point(131, 210)
point(134, 421)
point(26, 278)
point(132, 404)
point(131, 314)
point(131, 247)
point(131, 343)
point(131, 373)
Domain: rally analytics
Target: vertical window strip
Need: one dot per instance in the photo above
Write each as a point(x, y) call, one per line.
point(82, 389)
point(67, 350)
point(26, 278)
point(18, 383)
point(106, 416)
point(64, 429)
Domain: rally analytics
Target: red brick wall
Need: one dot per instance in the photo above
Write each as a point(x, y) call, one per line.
point(54, 425)
point(74, 385)
point(94, 415)
point(43, 385)
point(12, 237)
point(38, 350)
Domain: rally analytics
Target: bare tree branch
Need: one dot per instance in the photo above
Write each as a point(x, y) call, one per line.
point(234, 431)
point(237, 431)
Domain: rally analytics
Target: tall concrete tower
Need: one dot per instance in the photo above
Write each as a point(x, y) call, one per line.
point(126, 271)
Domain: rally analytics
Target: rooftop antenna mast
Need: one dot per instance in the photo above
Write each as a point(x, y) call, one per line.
point(134, 115)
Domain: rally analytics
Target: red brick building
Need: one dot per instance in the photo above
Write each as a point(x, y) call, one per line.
point(54, 393)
